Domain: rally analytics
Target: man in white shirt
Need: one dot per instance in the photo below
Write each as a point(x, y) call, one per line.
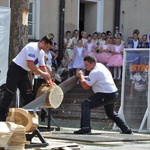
point(17, 76)
point(105, 94)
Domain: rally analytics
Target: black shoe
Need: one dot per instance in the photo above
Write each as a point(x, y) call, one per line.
point(3, 115)
point(127, 132)
point(84, 130)
point(2, 119)
point(43, 120)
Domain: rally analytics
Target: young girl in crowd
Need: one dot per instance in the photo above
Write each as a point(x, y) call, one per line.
point(55, 76)
point(84, 37)
point(104, 52)
point(95, 38)
point(90, 47)
point(75, 37)
point(116, 59)
point(79, 51)
point(102, 39)
point(63, 69)
point(68, 44)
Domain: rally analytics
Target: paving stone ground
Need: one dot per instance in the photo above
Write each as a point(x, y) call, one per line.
point(102, 137)
point(98, 140)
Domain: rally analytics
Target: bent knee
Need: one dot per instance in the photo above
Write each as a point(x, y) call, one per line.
point(86, 102)
point(111, 115)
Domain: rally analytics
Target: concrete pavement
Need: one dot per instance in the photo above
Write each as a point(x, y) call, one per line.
point(98, 140)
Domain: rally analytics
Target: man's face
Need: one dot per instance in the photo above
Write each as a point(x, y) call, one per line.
point(89, 66)
point(45, 46)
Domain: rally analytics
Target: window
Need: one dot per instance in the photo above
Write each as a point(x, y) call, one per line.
point(31, 20)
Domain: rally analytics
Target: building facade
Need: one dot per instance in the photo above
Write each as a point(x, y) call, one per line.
point(88, 15)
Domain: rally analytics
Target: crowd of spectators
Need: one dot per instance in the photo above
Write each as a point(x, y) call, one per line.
point(106, 47)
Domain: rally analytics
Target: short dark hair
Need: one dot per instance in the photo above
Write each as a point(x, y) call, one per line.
point(95, 33)
point(90, 59)
point(79, 40)
point(47, 40)
point(136, 31)
point(89, 36)
point(103, 33)
point(68, 32)
point(75, 31)
point(107, 32)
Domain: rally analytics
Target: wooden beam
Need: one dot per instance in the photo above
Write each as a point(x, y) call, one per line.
point(68, 84)
point(41, 100)
point(37, 103)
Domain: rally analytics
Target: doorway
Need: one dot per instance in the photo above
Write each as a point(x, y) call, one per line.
point(81, 17)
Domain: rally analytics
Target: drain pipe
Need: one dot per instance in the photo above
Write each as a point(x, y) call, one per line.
point(117, 15)
point(61, 29)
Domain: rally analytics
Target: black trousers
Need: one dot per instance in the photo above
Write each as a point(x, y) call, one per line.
point(101, 99)
point(17, 77)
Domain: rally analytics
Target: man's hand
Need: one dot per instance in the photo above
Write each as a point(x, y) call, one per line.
point(46, 76)
point(82, 79)
point(79, 73)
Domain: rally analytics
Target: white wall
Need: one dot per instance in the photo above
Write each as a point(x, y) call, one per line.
point(49, 17)
point(4, 40)
point(4, 3)
point(71, 15)
point(136, 16)
point(108, 15)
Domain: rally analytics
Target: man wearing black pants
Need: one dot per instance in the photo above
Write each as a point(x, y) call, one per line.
point(105, 94)
point(17, 76)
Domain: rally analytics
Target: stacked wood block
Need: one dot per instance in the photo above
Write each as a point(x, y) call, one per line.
point(12, 136)
point(23, 117)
